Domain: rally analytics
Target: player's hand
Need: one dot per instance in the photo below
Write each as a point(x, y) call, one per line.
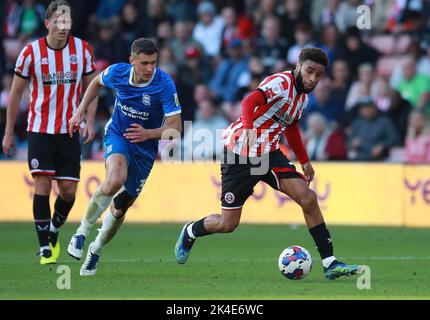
point(250, 138)
point(75, 122)
point(8, 145)
point(88, 132)
point(136, 133)
point(308, 171)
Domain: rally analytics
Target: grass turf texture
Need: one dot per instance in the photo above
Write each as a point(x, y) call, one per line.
point(139, 264)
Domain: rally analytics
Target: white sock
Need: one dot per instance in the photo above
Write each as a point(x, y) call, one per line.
point(44, 248)
point(52, 228)
point(97, 205)
point(327, 261)
point(108, 230)
point(84, 228)
point(190, 231)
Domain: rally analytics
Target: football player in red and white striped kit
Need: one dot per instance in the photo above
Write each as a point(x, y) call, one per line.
point(252, 154)
point(57, 67)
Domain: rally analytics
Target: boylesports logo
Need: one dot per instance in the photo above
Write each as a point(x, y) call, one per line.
point(132, 113)
point(229, 197)
point(34, 163)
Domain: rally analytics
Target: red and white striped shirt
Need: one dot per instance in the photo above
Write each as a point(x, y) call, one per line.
point(55, 77)
point(283, 107)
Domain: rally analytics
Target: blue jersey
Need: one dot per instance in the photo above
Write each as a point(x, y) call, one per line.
point(145, 104)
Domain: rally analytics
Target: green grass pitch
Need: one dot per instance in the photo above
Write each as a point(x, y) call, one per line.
point(139, 264)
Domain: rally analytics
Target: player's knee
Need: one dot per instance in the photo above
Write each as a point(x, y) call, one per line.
point(122, 202)
point(309, 201)
point(67, 190)
point(228, 226)
point(42, 184)
point(109, 189)
point(112, 184)
point(68, 195)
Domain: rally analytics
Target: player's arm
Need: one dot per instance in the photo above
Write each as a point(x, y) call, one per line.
point(18, 87)
point(254, 99)
point(294, 139)
point(88, 104)
point(172, 127)
point(89, 131)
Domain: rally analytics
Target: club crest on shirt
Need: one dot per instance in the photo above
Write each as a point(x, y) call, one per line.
point(44, 61)
point(146, 99)
point(73, 59)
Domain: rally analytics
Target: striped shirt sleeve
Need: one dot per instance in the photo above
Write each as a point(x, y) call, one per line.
point(89, 66)
point(23, 63)
point(272, 88)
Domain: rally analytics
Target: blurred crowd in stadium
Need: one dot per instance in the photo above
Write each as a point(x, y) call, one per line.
point(373, 104)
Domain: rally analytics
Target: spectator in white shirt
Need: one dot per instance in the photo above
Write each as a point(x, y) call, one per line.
point(208, 31)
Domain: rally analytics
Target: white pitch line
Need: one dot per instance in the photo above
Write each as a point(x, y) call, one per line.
point(389, 258)
point(61, 261)
point(250, 259)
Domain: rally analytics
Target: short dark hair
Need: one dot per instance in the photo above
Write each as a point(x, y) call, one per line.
point(54, 6)
point(143, 45)
point(314, 54)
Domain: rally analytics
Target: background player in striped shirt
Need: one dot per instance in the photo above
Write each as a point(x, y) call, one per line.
point(252, 154)
point(57, 68)
point(146, 109)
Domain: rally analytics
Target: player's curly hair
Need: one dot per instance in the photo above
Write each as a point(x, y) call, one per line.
point(314, 54)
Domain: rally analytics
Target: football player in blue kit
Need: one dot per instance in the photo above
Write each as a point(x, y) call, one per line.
point(146, 106)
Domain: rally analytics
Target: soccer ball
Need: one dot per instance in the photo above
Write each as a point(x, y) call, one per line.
point(295, 262)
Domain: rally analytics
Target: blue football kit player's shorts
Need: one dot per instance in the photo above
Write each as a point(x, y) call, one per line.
point(139, 166)
point(146, 104)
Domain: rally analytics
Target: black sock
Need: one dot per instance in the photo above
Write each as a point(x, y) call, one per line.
point(322, 240)
point(42, 218)
point(62, 209)
point(199, 228)
point(61, 212)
